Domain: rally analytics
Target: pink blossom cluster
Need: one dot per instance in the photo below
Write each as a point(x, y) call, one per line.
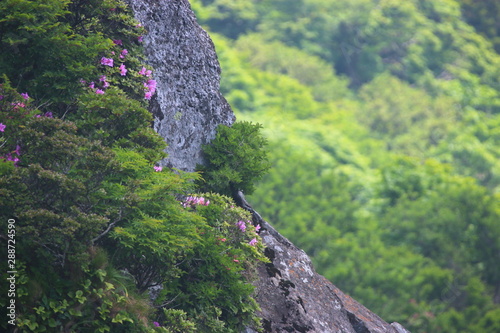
point(193, 201)
point(149, 85)
point(241, 225)
point(107, 61)
point(11, 156)
point(47, 114)
point(157, 168)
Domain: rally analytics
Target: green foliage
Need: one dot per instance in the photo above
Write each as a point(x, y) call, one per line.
point(212, 284)
point(236, 159)
point(97, 225)
point(49, 47)
point(392, 187)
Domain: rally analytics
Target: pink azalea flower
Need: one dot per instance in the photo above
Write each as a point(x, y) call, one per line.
point(253, 242)
point(138, 25)
point(148, 73)
point(82, 81)
point(157, 324)
point(91, 85)
point(140, 39)
point(1, 97)
point(123, 70)
point(102, 78)
point(18, 150)
point(236, 260)
point(107, 61)
point(257, 228)
point(25, 96)
point(241, 225)
point(49, 115)
point(148, 95)
point(117, 41)
point(9, 157)
point(105, 84)
point(99, 92)
point(124, 52)
point(17, 105)
point(157, 168)
point(2, 127)
point(142, 71)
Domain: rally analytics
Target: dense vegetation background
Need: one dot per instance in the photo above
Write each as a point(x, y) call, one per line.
point(383, 119)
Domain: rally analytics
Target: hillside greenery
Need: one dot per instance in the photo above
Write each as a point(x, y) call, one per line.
point(383, 124)
point(103, 239)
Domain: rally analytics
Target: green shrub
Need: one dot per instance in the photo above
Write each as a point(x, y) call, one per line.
point(235, 159)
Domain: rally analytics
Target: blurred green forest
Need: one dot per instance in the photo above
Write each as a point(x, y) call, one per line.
point(383, 119)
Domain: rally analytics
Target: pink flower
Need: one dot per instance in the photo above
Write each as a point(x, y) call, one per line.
point(151, 84)
point(18, 150)
point(123, 70)
point(2, 127)
point(124, 52)
point(25, 96)
point(148, 73)
point(82, 81)
point(17, 105)
point(157, 324)
point(48, 115)
point(91, 85)
point(99, 92)
point(241, 225)
point(102, 78)
point(105, 84)
point(222, 239)
point(253, 242)
point(107, 61)
point(148, 95)
point(236, 260)
point(257, 228)
point(138, 25)
point(157, 168)
point(140, 39)
point(9, 157)
point(117, 41)
point(142, 71)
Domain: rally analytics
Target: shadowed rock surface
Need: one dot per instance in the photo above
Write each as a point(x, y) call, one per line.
point(188, 105)
point(187, 109)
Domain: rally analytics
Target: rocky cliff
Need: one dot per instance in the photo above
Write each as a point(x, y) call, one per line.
point(188, 105)
point(187, 109)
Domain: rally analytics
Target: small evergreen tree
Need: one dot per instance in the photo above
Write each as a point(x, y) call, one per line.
point(235, 159)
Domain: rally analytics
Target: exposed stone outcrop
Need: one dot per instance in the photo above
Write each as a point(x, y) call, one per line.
point(187, 109)
point(188, 105)
point(294, 298)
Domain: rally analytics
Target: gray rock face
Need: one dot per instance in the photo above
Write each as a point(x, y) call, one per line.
point(294, 298)
point(187, 109)
point(188, 105)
